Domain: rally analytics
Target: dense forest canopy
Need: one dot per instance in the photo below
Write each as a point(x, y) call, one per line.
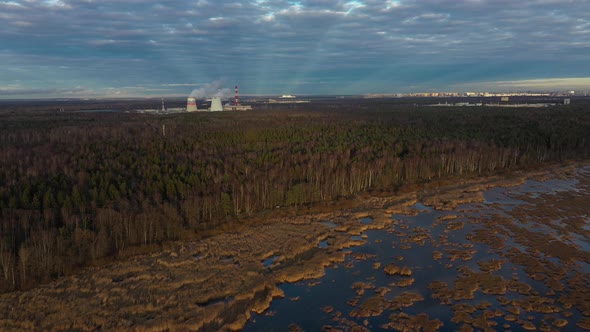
point(78, 188)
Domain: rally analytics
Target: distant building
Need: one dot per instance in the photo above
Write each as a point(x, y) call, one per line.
point(566, 101)
point(287, 101)
point(237, 107)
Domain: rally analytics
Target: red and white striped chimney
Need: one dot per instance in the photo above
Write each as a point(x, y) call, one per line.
point(237, 103)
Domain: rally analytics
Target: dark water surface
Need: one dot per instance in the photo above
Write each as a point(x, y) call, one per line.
point(304, 301)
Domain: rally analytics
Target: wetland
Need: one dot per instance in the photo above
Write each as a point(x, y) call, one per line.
point(496, 253)
point(515, 259)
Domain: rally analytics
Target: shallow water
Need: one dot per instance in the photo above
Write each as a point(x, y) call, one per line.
point(303, 303)
point(329, 224)
point(366, 220)
point(270, 261)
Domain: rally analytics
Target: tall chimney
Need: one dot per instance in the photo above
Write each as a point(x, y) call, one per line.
point(237, 103)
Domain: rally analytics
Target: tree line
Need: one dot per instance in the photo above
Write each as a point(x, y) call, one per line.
point(76, 189)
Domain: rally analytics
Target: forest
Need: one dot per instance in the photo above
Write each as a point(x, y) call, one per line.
point(79, 189)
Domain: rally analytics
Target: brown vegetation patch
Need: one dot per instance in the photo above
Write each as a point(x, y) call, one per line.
point(373, 306)
point(360, 287)
point(447, 217)
point(482, 322)
point(513, 310)
point(465, 328)
point(436, 255)
point(467, 284)
point(405, 271)
point(382, 290)
point(420, 235)
point(528, 326)
point(462, 254)
point(404, 300)
point(511, 318)
point(441, 291)
point(487, 235)
point(348, 325)
point(450, 199)
point(455, 225)
point(406, 323)
point(558, 322)
point(359, 256)
point(404, 282)
point(519, 287)
point(294, 328)
point(536, 304)
point(483, 305)
point(128, 295)
point(491, 265)
point(584, 323)
point(539, 268)
point(503, 301)
point(462, 313)
point(392, 269)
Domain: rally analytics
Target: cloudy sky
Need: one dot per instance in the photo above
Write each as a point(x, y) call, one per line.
point(87, 48)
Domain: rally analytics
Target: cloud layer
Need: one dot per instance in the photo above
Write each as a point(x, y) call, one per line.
point(144, 47)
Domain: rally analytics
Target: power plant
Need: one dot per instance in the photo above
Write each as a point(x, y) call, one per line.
point(191, 104)
point(216, 104)
point(206, 94)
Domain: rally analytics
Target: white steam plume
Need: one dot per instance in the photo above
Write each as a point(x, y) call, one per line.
point(210, 90)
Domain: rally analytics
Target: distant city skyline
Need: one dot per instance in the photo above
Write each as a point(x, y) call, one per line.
point(110, 48)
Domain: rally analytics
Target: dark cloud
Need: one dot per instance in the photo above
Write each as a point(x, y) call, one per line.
point(280, 46)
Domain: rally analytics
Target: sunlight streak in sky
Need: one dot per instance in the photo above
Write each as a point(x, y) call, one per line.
point(285, 46)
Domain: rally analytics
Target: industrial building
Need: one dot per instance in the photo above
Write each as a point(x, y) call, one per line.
point(237, 107)
point(504, 100)
point(191, 106)
point(217, 106)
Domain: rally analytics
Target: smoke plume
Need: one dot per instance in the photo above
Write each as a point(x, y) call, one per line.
point(210, 90)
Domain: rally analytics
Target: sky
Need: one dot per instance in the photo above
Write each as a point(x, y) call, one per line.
point(125, 48)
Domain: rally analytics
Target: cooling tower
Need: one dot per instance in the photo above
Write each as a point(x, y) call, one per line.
point(191, 104)
point(216, 104)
